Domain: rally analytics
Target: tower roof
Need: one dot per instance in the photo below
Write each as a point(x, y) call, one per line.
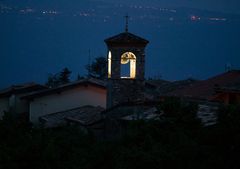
point(126, 38)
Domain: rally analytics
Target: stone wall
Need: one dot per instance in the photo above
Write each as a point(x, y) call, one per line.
point(120, 90)
point(124, 90)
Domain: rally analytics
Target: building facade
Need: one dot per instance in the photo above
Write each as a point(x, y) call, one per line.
point(66, 97)
point(10, 98)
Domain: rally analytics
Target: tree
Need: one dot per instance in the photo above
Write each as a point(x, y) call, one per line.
point(57, 79)
point(98, 68)
point(79, 77)
point(52, 81)
point(64, 76)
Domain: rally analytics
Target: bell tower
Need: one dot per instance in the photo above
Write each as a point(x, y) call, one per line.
point(126, 68)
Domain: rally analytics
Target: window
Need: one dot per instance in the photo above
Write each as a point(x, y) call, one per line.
point(128, 65)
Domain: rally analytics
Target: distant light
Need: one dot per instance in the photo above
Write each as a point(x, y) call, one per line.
point(195, 18)
point(173, 10)
point(217, 19)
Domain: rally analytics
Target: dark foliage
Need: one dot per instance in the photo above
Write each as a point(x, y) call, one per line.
point(98, 69)
point(178, 142)
point(59, 79)
point(64, 76)
point(79, 77)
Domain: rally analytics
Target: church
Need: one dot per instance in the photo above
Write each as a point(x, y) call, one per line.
point(126, 68)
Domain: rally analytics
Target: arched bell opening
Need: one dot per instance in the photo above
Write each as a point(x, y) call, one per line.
point(128, 65)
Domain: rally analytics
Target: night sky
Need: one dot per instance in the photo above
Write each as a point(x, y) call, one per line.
point(187, 38)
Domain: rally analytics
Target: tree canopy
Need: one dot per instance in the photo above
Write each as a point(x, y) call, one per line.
point(60, 78)
point(98, 68)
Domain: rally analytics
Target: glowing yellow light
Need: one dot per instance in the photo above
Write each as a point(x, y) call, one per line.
point(124, 59)
point(133, 68)
point(129, 57)
point(109, 63)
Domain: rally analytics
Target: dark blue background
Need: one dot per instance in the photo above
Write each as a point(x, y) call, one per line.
point(32, 45)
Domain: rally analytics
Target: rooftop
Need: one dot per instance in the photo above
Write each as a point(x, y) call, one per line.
point(206, 88)
point(126, 38)
point(85, 115)
point(84, 82)
point(21, 88)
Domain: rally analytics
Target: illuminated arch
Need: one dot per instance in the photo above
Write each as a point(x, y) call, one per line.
point(125, 59)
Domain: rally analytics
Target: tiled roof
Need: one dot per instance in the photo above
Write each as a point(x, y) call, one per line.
point(228, 89)
point(85, 115)
point(149, 114)
point(129, 108)
point(22, 88)
point(126, 38)
point(83, 82)
point(206, 88)
point(156, 88)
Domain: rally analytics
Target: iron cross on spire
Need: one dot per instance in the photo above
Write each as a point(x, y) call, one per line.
point(127, 18)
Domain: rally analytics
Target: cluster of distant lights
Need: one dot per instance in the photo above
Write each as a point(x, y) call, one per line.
point(50, 12)
point(28, 10)
point(5, 9)
point(217, 19)
point(84, 14)
point(152, 7)
point(194, 18)
point(198, 18)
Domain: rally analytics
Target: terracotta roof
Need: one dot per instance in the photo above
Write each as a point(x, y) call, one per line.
point(207, 88)
point(127, 39)
point(234, 89)
point(21, 88)
point(84, 82)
